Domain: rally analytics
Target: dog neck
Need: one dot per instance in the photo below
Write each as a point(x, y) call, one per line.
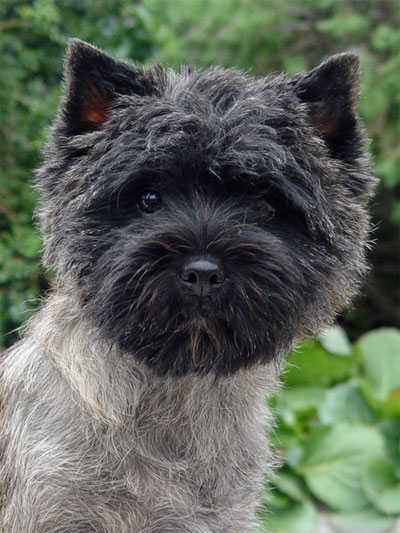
point(112, 387)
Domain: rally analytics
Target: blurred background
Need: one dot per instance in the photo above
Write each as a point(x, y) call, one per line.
point(339, 415)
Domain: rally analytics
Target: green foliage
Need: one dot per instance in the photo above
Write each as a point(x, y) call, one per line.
point(364, 521)
point(381, 486)
point(338, 439)
point(34, 36)
point(381, 362)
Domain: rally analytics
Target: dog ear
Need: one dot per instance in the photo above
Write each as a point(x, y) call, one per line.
point(331, 91)
point(93, 81)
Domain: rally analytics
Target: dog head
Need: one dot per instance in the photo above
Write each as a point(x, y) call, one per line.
point(207, 220)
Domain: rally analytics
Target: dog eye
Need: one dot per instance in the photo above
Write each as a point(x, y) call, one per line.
point(149, 201)
point(269, 213)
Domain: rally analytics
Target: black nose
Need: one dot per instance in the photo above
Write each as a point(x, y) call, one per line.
point(202, 275)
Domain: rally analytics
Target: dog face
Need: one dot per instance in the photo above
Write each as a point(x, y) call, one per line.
point(206, 220)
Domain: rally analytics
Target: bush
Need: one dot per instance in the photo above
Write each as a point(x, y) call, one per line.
point(34, 37)
point(338, 436)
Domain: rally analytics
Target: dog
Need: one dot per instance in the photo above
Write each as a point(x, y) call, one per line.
point(199, 225)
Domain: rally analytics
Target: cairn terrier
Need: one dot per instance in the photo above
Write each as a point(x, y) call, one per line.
point(199, 225)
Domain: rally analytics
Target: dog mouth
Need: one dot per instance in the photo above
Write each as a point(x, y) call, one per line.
point(176, 333)
point(219, 332)
point(203, 306)
point(229, 307)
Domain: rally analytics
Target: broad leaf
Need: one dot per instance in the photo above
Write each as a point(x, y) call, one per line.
point(365, 521)
point(303, 399)
point(334, 460)
point(298, 518)
point(290, 485)
point(312, 365)
point(391, 407)
point(335, 340)
point(345, 403)
point(381, 486)
point(391, 432)
point(380, 351)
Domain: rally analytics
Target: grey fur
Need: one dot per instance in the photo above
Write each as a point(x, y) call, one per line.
point(105, 447)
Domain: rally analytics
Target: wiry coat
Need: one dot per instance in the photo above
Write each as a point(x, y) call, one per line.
point(134, 403)
point(101, 446)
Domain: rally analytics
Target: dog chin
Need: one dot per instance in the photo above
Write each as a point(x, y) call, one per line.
point(199, 346)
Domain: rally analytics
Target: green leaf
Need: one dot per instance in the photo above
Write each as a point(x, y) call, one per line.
point(381, 486)
point(334, 460)
point(298, 403)
point(391, 432)
point(293, 64)
point(344, 23)
point(335, 340)
point(380, 351)
point(345, 403)
point(312, 365)
point(391, 407)
point(284, 437)
point(384, 37)
point(303, 399)
point(365, 521)
point(298, 518)
point(273, 500)
point(290, 485)
point(285, 414)
point(293, 455)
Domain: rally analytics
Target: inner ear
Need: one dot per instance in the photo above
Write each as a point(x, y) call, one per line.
point(331, 93)
point(89, 94)
point(93, 82)
point(95, 103)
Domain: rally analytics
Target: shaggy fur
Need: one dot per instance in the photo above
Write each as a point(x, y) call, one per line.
point(199, 225)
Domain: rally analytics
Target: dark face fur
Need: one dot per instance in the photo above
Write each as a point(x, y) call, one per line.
point(206, 221)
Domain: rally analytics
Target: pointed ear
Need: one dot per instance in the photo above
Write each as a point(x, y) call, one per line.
point(93, 81)
point(331, 91)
